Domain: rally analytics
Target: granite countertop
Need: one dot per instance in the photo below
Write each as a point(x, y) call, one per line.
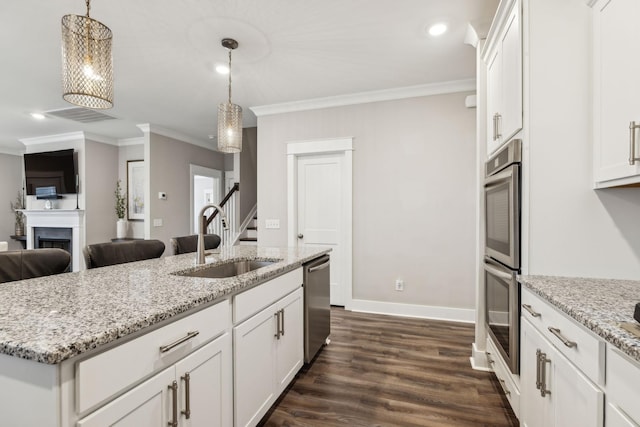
point(54, 318)
point(599, 304)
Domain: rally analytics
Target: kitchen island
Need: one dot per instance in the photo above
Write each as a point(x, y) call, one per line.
point(65, 339)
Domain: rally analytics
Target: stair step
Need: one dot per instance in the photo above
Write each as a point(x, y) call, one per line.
point(248, 239)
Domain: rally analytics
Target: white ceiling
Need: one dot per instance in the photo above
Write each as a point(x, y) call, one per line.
point(165, 52)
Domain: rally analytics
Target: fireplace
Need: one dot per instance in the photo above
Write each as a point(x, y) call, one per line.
point(57, 228)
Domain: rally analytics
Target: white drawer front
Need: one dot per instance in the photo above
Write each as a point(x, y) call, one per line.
point(623, 383)
point(104, 375)
point(511, 390)
point(583, 348)
point(248, 303)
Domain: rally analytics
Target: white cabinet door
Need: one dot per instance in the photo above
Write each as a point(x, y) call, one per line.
point(494, 100)
point(254, 367)
point(534, 409)
point(616, 86)
point(617, 418)
point(576, 400)
point(504, 82)
point(290, 346)
point(569, 398)
point(511, 111)
point(148, 405)
point(206, 377)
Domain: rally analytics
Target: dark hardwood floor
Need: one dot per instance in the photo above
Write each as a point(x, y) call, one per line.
point(392, 371)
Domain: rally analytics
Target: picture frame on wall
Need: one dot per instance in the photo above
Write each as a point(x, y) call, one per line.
point(135, 190)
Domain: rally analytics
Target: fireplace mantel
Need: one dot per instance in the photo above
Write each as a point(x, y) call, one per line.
point(59, 218)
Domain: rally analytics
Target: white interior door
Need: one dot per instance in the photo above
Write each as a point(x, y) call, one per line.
point(320, 212)
point(206, 187)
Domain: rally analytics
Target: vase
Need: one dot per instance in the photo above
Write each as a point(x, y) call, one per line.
point(19, 230)
point(121, 228)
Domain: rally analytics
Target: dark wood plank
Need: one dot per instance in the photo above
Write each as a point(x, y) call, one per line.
point(392, 371)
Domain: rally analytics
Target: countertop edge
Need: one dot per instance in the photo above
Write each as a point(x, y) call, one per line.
point(609, 331)
point(107, 337)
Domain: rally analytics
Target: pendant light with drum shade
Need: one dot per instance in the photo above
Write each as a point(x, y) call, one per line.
point(229, 115)
point(87, 62)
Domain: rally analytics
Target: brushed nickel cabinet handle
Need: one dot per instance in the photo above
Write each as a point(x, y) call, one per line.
point(498, 125)
point(190, 335)
point(282, 321)
point(277, 315)
point(530, 310)
point(174, 404)
point(543, 374)
point(495, 128)
point(187, 397)
point(538, 380)
point(504, 387)
point(556, 332)
point(632, 142)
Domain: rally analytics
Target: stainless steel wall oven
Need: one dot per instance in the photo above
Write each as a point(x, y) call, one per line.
point(502, 194)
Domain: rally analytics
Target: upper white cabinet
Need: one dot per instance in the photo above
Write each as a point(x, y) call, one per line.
point(616, 99)
point(503, 56)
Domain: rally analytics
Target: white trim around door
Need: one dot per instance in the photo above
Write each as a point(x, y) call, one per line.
point(342, 146)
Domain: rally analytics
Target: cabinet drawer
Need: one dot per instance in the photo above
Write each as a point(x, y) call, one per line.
point(247, 303)
point(583, 348)
point(623, 377)
point(511, 389)
point(104, 375)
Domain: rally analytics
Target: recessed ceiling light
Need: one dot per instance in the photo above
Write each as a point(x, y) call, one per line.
point(438, 29)
point(222, 69)
point(38, 116)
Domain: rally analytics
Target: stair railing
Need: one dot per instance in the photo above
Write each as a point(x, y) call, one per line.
point(229, 203)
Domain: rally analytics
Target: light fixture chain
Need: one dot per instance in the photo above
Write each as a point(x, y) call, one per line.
point(229, 76)
point(88, 2)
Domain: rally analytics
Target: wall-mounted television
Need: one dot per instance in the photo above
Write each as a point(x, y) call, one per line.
point(50, 169)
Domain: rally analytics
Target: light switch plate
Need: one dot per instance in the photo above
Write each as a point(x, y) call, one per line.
point(157, 222)
point(272, 223)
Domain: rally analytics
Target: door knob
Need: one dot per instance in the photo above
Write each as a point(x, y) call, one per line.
point(300, 235)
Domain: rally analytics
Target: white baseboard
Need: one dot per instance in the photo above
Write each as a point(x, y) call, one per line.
point(479, 360)
point(413, 310)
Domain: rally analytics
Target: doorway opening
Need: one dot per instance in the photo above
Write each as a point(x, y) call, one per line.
point(206, 187)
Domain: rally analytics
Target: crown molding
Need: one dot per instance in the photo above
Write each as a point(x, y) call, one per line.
point(367, 97)
point(126, 142)
point(11, 151)
point(99, 138)
point(158, 130)
point(62, 137)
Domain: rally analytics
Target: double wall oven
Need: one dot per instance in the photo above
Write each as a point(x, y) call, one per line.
point(502, 194)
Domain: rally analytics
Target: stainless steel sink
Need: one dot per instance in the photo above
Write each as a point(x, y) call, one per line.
point(229, 269)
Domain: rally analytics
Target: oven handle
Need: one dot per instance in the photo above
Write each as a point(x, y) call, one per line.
point(496, 272)
point(500, 177)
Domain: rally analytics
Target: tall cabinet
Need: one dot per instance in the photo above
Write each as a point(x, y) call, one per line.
point(503, 57)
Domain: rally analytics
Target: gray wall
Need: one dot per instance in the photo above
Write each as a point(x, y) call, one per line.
point(574, 230)
point(414, 189)
point(169, 162)
point(10, 184)
point(248, 171)
point(101, 164)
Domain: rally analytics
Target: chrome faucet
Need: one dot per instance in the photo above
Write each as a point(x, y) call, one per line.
point(201, 228)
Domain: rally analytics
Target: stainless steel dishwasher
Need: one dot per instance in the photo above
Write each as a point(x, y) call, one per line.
point(317, 309)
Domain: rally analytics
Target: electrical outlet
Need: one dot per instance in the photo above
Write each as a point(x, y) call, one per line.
point(157, 222)
point(399, 285)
